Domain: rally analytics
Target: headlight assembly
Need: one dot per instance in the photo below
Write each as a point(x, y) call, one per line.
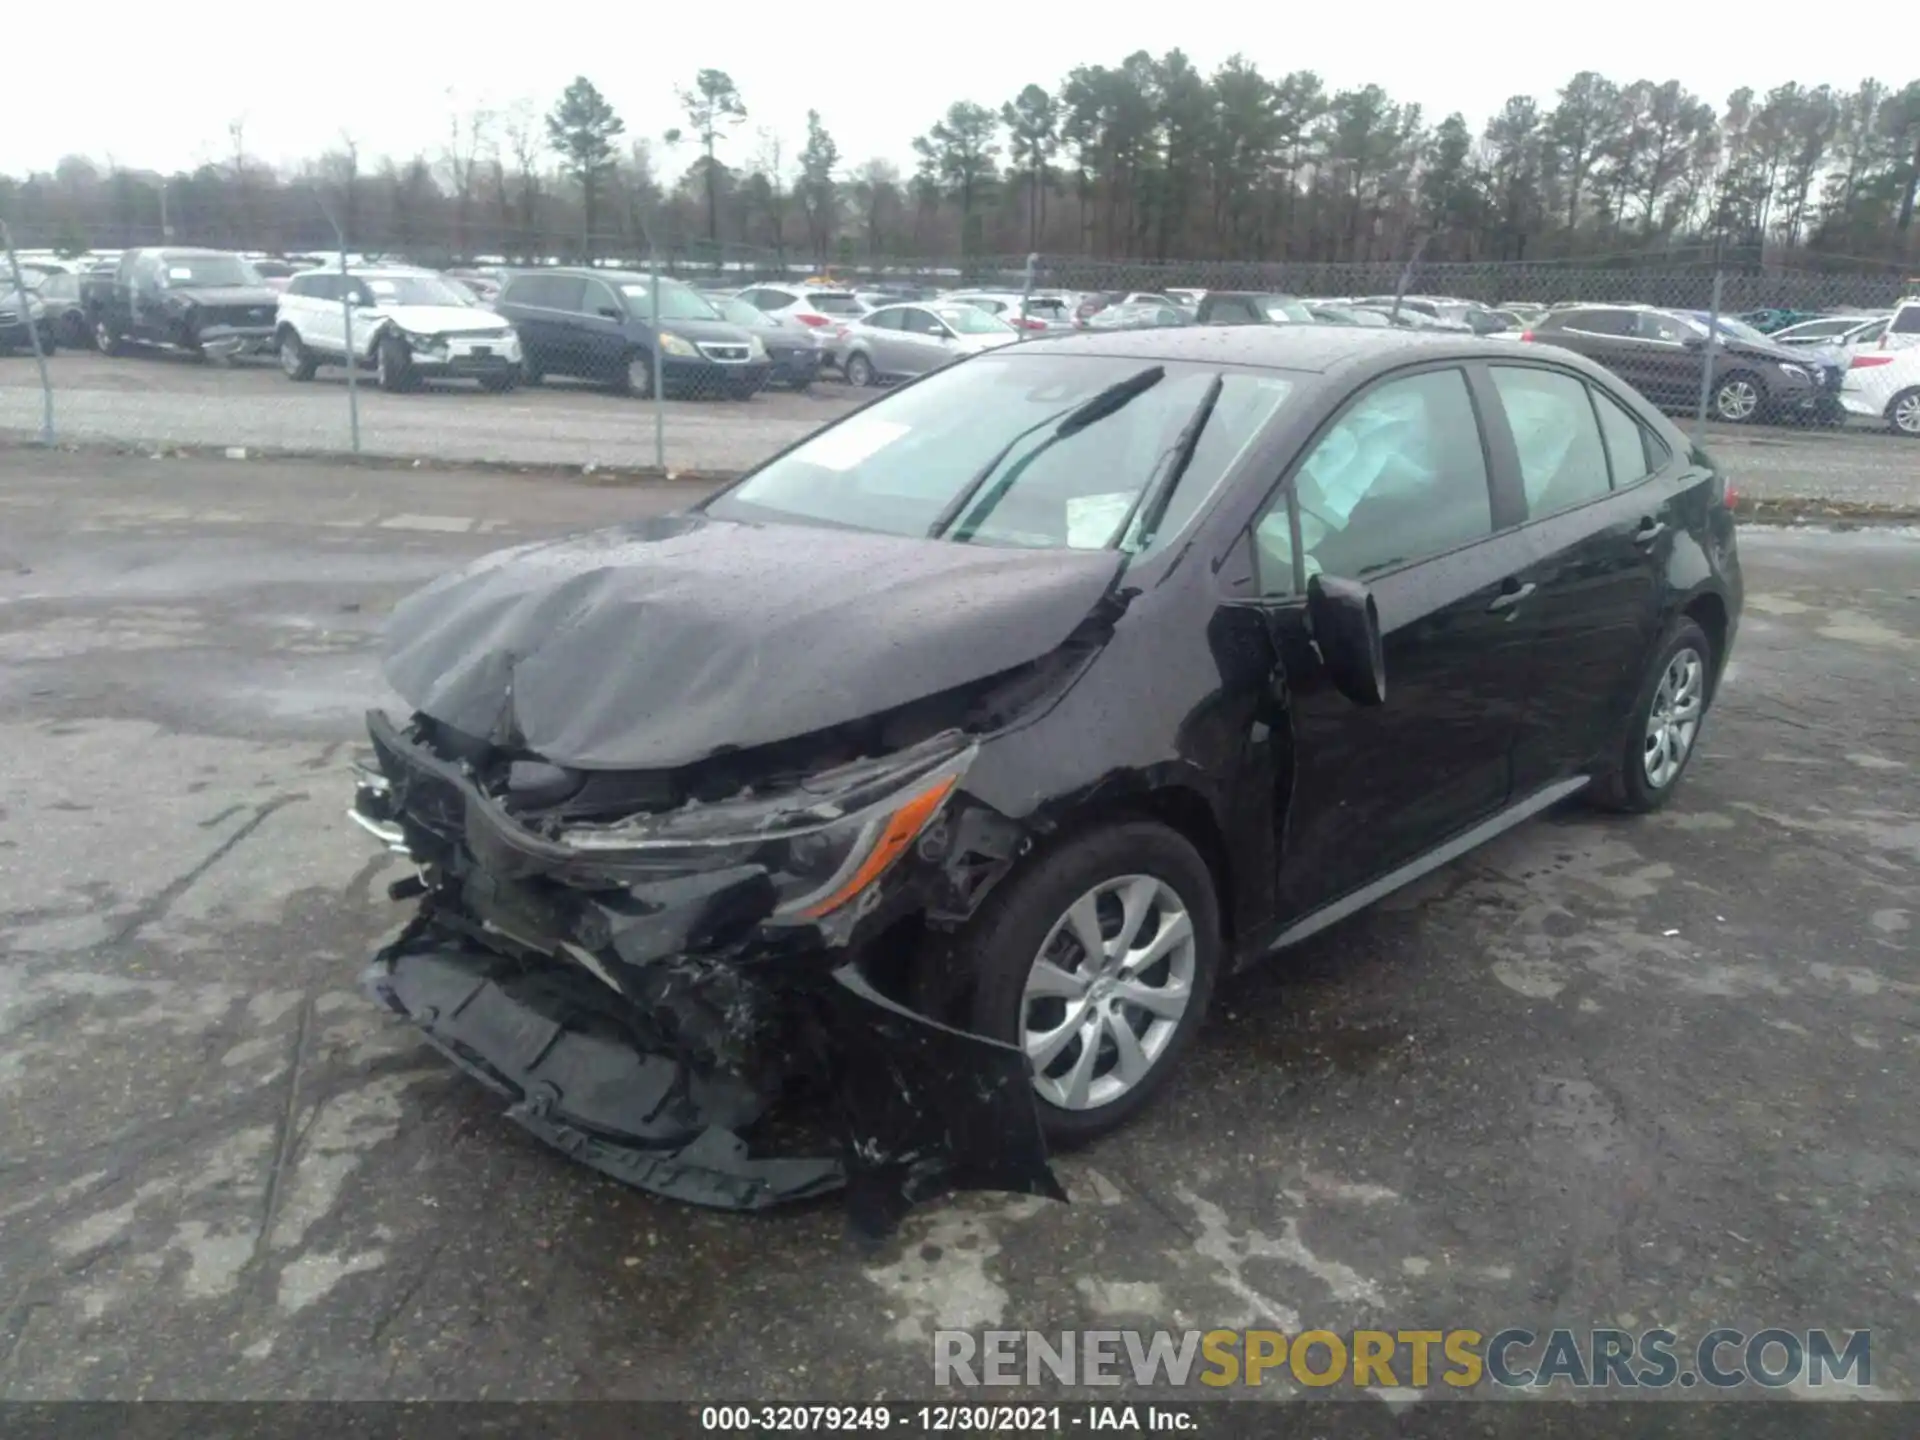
point(755, 350)
point(823, 844)
point(1794, 372)
point(425, 344)
point(674, 345)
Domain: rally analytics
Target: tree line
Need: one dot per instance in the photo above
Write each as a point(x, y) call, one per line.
point(1149, 159)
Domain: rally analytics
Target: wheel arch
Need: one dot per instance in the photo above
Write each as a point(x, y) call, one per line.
point(1708, 610)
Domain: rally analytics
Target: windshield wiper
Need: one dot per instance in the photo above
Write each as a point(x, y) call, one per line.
point(1150, 505)
point(1071, 422)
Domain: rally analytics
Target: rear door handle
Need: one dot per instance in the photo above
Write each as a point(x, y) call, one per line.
point(1510, 598)
point(1650, 530)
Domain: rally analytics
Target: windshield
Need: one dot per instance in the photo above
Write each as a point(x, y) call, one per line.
point(1284, 308)
point(1739, 329)
point(416, 290)
point(896, 465)
point(677, 301)
point(970, 320)
point(190, 270)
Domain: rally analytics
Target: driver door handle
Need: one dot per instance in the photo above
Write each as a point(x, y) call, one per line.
point(1510, 598)
point(1650, 530)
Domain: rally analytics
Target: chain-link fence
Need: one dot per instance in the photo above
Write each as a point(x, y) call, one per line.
point(545, 364)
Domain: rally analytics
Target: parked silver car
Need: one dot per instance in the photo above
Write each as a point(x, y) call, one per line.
point(898, 342)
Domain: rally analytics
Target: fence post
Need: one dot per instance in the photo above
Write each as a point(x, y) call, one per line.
point(346, 323)
point(1026, 292)
point(33, 332)
point(659, 367)
point(1706, 365)
point(1406, 278)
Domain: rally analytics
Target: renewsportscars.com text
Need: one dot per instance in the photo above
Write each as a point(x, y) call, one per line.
point(1511, 1358)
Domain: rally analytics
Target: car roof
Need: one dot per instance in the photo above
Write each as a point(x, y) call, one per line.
point(1315, 348)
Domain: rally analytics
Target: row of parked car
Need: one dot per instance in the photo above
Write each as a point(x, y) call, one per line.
point(506, 327)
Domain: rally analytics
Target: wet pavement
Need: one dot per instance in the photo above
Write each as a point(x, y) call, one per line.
point(1603, 1071)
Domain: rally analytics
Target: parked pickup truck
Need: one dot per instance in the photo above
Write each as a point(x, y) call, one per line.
point(207, 302)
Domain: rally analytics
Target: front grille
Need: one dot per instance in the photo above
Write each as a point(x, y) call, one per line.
point(235, 315)
point(9, 317)
point(731, 354)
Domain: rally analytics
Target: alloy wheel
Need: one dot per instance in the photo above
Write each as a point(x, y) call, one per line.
point(1108, 991)
point(290, 356)
point(1674, 718)
point(1737, 399)
point(1906, 413)
point(640, 376)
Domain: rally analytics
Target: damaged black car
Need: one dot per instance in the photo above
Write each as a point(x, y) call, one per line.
point(886, 821)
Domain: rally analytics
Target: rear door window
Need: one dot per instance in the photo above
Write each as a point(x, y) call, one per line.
point(1563, 461)
point(1906, 321)
point(1598, 322)
point(1630, 450)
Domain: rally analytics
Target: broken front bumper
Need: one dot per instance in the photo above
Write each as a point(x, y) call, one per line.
point(660, 1033)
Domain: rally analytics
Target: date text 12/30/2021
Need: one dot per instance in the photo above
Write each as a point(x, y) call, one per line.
point(917, 1419)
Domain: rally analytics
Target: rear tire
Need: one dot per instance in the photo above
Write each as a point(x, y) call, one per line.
point(859, 371)
point(1030, 919)
point(105, 338)
point(1903, 413)
point(1643, 775)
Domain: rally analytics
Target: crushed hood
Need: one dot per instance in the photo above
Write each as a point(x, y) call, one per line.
point(658, 644)
point(442, 319)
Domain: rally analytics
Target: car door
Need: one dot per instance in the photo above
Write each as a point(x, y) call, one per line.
point(921, 344)
point(1598, 534)
point(601, 324)
point(566, 346)
point(1673, 356)
point(1396, 491)
point(145, 299)
point(878, 331)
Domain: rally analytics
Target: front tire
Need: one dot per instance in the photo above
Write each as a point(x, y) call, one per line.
point(859, 371)
point(1903, 413)
point(1739, 398)
point(105, 338)
point(639, 375)
point(1103, 1031)
point(296, 361)
point(1663, 730)
point(393, 366)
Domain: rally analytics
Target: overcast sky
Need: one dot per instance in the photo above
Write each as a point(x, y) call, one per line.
point(878, 77)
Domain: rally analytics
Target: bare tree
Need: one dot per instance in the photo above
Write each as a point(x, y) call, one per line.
point(467, 135)
point(527, 141)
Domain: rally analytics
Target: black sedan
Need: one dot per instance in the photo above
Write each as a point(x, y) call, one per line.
point(793, 349)
point(923, 785)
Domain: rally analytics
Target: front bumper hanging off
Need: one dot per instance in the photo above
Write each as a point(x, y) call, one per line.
point(685, 1051)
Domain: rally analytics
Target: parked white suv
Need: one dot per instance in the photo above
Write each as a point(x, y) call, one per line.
point(408, 325)
point(1903, 331)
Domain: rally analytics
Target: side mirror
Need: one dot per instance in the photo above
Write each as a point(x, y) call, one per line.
point(607, 312)
point(1695, 342)
point(1345, 624)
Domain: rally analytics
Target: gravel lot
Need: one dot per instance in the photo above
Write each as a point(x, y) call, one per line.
point(1601, 1072)
point(164, 400)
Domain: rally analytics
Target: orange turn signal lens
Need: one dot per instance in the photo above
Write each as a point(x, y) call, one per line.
point(902, 828)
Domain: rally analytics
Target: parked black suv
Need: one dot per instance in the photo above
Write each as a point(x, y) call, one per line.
point(207, 302)
point(596, 324)
point(1663, 354)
